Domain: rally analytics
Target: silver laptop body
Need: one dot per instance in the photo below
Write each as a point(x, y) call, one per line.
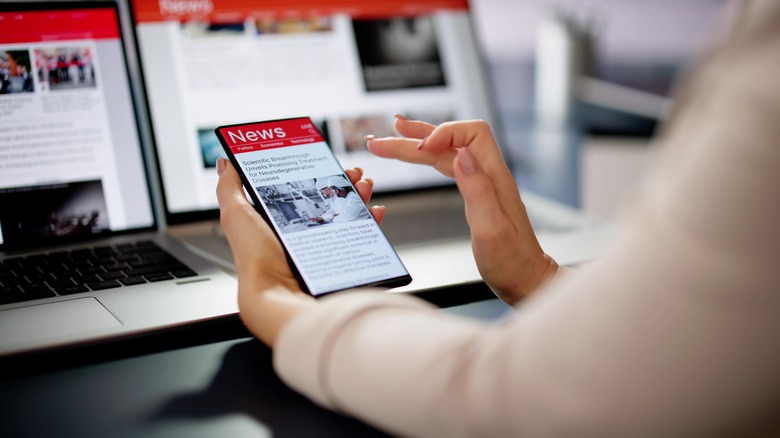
point(82, 256)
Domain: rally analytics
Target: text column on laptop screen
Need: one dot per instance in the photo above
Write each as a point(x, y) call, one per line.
point(350, 65)
point(69, 147)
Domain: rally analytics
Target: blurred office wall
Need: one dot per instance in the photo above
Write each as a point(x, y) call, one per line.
point(638, 49)
point(637, 44)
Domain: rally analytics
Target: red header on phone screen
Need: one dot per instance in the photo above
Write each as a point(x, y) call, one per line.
point(40, 26)
point(270, 135)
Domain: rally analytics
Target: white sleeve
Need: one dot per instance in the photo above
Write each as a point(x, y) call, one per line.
point(352, 209)
point(673, 332)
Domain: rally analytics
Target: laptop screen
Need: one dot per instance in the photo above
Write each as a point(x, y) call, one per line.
point(71, 164)
point(347, 64)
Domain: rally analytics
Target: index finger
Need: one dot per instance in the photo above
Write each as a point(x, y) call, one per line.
point(415, 129)
point(405, 149)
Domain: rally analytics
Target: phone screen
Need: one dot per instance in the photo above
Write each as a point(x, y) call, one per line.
point(296, 183)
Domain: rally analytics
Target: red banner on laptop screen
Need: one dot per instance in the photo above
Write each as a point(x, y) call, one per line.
point(41, 26)
point(238, 10)
point(270, 135)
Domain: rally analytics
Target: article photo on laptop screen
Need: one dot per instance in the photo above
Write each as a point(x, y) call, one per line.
point(71, 164)
point(350, 65)
point(293, 177)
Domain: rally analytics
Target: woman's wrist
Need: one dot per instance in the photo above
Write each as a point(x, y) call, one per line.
point(550, 271)
point(265, 310)
point(538, 273)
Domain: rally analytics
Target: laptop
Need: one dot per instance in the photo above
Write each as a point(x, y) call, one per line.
point(349, 65)
point(82, 257)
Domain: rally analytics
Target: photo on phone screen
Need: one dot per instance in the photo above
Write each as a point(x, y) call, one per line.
point(298, 186)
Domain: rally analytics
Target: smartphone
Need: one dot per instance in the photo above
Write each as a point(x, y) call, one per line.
point(296, 183)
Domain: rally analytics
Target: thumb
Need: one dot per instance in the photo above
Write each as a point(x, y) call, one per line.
point(505, 247)
point(229, 189)
point(483, 209)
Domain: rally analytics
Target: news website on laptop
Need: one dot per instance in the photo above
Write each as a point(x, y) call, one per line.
point(69, 147)
point(349, 64)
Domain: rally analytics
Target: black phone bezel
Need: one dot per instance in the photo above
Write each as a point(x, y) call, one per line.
point(388, 283)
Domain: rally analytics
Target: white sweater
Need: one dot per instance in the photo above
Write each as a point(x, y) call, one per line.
point(675, 331)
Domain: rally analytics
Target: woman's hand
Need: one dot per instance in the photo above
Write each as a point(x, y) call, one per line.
point(505, 247)
point(268, 293)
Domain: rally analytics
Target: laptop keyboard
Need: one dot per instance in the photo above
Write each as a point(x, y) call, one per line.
point(87, 269)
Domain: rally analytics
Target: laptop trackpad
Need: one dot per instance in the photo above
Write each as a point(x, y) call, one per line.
point(61, 319)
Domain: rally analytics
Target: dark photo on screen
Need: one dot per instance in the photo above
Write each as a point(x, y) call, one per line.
point(48, 212)
point(399, 52)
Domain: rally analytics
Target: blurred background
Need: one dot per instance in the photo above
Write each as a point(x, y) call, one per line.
point(606, 70)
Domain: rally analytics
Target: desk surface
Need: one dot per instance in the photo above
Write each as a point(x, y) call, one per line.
point(222, 387)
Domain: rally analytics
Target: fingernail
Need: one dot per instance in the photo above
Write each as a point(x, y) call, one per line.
point(370, 181)
point(220, 165)
point(467, 162)
point(401, 116)
point(369, 137)
point(422, 143)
